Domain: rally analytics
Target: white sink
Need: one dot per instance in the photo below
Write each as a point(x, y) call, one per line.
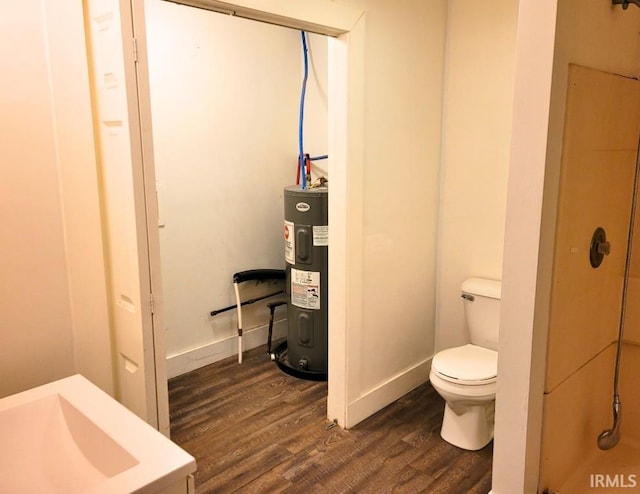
point(70, 437)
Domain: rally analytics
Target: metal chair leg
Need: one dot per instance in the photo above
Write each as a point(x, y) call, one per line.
point(239, 306)
point(272, 309)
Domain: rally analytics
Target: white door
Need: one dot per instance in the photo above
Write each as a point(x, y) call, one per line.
point(140, 378)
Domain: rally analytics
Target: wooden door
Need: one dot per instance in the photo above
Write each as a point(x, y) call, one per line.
point(138, 373)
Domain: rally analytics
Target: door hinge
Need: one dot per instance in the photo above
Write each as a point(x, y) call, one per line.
point(135, 49)
point(151, 305)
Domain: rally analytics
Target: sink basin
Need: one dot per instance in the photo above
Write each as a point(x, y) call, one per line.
point(70, 437)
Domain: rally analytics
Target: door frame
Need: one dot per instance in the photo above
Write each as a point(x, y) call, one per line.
point(345, 25)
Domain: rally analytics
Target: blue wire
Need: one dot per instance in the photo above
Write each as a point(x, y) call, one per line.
point(302, 95)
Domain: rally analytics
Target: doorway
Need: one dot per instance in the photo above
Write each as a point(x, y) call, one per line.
point(345, 135)
point(225, 93)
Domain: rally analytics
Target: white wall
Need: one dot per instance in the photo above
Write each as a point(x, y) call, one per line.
point(478, 94)
point(391, 291)
point(53, 315)
point(522, 351)
point(225, 97)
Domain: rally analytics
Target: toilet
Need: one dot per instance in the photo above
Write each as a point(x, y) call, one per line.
point(465, 376)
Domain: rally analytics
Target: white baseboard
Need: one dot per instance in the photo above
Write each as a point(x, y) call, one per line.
point(183, 362)
point(388, 392)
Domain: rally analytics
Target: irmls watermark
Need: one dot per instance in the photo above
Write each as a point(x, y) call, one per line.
point(608, 481)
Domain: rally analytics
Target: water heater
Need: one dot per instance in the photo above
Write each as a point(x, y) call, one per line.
point(306, 235)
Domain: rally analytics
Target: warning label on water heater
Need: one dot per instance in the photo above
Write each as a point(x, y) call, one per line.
point(321, 235)
point(289, 242)
point(305, 289)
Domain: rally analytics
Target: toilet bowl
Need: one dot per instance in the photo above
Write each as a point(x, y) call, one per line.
point(465, 376)
point(470, 399)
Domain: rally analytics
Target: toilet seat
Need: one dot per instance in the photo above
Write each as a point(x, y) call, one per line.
point(468, 365)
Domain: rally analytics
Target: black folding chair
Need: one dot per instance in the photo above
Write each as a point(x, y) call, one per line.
point(258, 275)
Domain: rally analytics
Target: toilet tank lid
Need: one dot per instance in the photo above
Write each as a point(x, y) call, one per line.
point(482, 287)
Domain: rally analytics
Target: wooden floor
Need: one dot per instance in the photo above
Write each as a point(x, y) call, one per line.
point(253, 428)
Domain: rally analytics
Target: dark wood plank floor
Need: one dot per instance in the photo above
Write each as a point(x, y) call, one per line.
point(253, 428)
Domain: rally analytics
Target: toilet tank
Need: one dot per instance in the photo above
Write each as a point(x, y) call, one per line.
point(482, 311)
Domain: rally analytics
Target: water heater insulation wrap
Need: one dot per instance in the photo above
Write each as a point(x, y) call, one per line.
point(306, 235)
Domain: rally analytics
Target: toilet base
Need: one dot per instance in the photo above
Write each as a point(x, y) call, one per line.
point(471, 428)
